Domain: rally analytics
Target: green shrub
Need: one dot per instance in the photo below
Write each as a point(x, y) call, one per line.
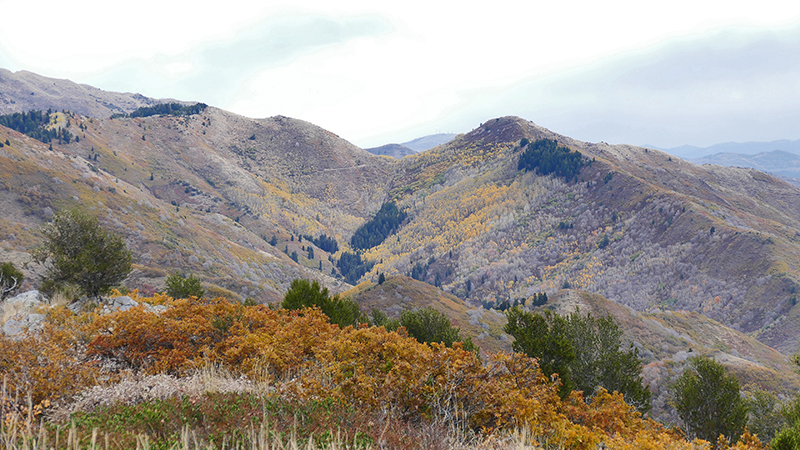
point(584, 351)
point(709, 402)
point(307, 294)
point(426, 325)
point(180, 287)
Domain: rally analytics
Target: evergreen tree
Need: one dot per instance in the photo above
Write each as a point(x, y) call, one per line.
point(306, 294)
point(78, 250)
point(426, 325)
point(709, 402)
point(583, 350)
point(543, 336)
point(376, 230)
point(352, 267)
point(547, 157)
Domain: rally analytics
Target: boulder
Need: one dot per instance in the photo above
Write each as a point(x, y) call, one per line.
point(123, 303)
point(19, 323)
point(26, 300)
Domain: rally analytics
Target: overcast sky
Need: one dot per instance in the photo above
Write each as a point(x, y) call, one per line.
point(644, 73)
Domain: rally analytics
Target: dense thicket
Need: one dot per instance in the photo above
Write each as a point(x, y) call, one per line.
point(180, 287)
point(375, 231)
point(426, 325)
point(352, 267)
point(173, 109)
point(547, 157)
point(34, 124)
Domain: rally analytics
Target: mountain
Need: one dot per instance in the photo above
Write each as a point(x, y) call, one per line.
point(746, 148)
point(24, 91)
point(427, 142)
point(776, 162)
point(639, 226)
point(398, 151)
point(206, 193)
point(200, 194)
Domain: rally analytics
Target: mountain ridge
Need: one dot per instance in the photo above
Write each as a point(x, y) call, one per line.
point(207, 193)
point(24, 91)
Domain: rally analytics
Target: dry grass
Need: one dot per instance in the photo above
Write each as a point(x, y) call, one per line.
point(24, 427)
point(136, 389)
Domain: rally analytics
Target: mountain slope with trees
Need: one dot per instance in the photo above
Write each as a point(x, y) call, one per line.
point(234, 200)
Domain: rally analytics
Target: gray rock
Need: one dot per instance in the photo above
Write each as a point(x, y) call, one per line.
point(123, 303)
point(27, 300)
point(157, 309)
point(18, 324)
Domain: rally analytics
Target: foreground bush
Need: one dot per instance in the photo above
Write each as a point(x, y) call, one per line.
point(374, 386)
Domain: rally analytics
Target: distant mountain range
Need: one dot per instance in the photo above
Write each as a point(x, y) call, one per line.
point(776, 162)
point(421, 144)
point(780, 158)
point(690, 152)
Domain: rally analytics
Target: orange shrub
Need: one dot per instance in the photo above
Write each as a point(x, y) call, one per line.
point(376, 372)
point(192, 332)
point(51, 364)
point(379, 369)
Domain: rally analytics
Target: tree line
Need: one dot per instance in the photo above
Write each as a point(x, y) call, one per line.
point(172, 109)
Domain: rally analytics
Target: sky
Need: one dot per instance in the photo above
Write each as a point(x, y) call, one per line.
point(375, 72)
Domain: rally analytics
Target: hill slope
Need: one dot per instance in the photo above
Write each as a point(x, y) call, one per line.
point(205, 193)
point(23, 91)
point(642, 228)
point(202, 193)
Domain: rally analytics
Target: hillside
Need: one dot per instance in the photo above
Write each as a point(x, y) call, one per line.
point(189, 193)
point(642, 228)
point(400, 293)
point(23, 91)
point(205, 194)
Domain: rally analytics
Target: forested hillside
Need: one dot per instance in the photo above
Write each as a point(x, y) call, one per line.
point(495, 217)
